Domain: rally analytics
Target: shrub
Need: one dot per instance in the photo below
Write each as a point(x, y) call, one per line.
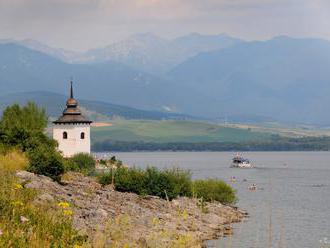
point(82, 162)
point(214, 190)
point(181, 180)
point(152, 181)
point(159, 184)
point(125, 180)
point(46, 161)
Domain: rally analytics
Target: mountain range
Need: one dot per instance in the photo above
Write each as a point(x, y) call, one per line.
point(54, 104)
point(146, 52)
point(283, 79)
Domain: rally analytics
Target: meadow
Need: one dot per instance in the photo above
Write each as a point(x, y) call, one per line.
point(176, 131)
point(166, 131)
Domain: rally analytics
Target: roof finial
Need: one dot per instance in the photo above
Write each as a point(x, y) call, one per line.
point(71, 89)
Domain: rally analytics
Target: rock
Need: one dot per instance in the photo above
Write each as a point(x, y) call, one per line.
point(46, 197)
point(95, 206)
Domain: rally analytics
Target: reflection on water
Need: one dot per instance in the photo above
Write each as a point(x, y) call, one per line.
point(291, 206)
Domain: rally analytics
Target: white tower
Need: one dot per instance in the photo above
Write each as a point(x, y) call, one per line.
point(72, 130)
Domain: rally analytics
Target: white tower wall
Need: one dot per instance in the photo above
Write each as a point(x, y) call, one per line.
point(73, 144)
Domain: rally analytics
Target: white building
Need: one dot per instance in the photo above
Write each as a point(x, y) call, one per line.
point(72, 130)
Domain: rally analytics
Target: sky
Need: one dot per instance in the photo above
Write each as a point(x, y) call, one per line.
point(84, 24)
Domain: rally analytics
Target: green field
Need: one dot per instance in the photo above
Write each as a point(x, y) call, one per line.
point(177, 131)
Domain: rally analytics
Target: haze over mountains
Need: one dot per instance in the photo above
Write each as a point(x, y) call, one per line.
point(54, 104)
point(283, 79)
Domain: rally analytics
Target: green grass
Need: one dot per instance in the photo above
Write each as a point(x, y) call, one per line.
point(175, 131)
point(25, 224)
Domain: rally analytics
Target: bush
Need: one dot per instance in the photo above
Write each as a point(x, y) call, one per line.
point(159, 184)
point(214, 190)
point(152, 181)
point(46, 161)
point(181, 181)
point(82, 162)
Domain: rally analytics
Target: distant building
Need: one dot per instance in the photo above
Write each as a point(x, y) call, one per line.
point(72, 129)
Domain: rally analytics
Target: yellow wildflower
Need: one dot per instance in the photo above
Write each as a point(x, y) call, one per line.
point(18, 186)
point(126, 246)
point(17, 203)
point(77, 246)
point(155, 221)
point(185, 214)
point(64, 204)
point(67, 212)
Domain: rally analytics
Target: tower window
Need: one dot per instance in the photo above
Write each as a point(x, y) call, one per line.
point(82, 135)
point(65, 135)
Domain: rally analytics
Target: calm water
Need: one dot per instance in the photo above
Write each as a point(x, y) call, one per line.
point(291, 208)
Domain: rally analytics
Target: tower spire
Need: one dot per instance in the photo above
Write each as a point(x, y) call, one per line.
point(71, 89)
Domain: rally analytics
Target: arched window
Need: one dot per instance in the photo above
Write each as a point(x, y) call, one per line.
point(82, 135)
point(65, 135)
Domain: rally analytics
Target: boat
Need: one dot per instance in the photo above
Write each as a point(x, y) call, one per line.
point(240, 162)
point(253, 187)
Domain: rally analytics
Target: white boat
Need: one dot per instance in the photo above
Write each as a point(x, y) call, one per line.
point(240, 162)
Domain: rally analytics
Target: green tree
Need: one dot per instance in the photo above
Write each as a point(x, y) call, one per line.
point(19, 124)
point(23, 127)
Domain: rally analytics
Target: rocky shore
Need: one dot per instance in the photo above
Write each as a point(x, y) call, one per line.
point(105, 215)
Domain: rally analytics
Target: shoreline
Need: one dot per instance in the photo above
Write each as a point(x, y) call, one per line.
point(96, 208)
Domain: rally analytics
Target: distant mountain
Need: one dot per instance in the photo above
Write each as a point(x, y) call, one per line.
point(96, 110)
point(146, 52)
point(23, 69)
point(283, 78)
point(150, 53)
point(59, 53)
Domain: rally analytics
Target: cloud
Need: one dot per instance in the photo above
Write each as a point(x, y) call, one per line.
point(82, 24)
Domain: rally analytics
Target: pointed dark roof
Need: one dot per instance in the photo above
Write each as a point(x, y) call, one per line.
point(72, 113)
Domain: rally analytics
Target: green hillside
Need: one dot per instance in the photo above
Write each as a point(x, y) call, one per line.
point(198, 131)
point(175, 131)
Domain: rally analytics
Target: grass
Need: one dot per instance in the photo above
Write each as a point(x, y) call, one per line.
point(120, 233)
point(176, 131)
point(23, 224)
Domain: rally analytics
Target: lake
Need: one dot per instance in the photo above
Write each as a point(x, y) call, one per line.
point(291, 207)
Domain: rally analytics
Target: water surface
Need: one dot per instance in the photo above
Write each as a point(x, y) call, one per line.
point(290, 209)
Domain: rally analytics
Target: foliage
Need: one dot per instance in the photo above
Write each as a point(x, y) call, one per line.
point(22, 224)
point(168, 184)
point(151, 181)
point(81, 162)
point(214, 190)
point(126, 180)
point(46, 161)
point(181, 179)
point(23, 127)
point(20, 123)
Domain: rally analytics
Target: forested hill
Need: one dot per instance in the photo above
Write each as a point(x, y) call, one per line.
point(96, 110)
